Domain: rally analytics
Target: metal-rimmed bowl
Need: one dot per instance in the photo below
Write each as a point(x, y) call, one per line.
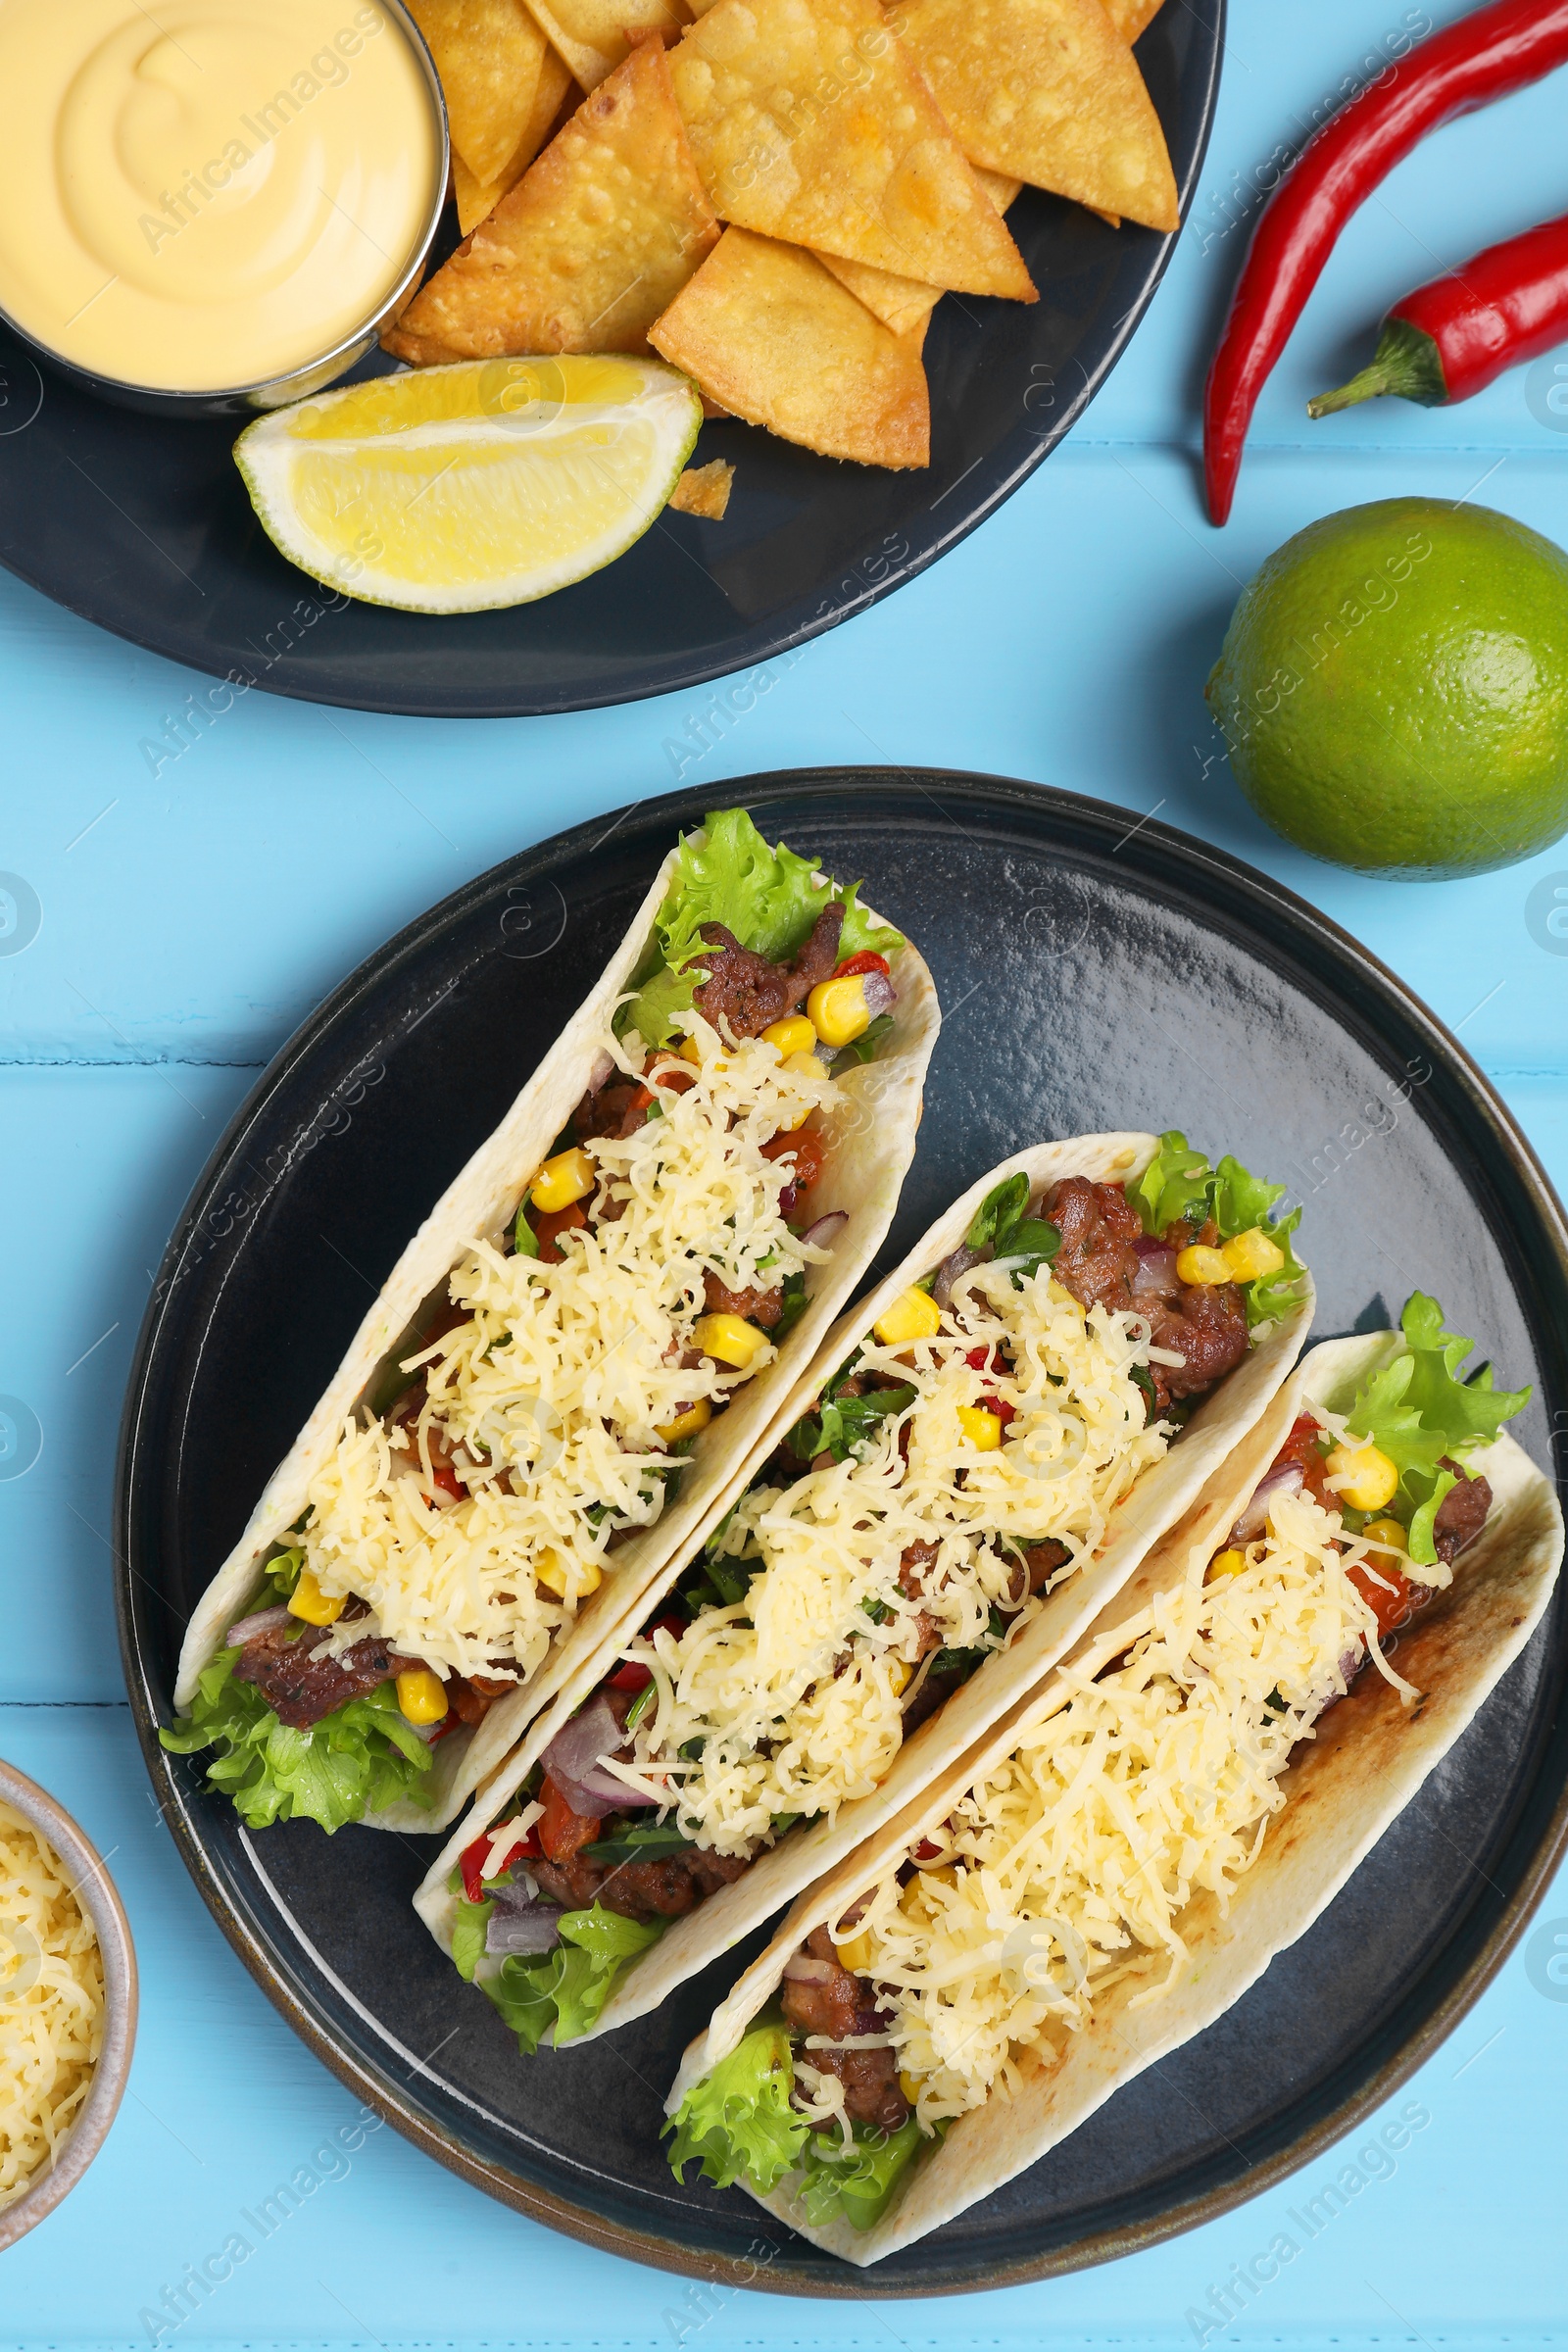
point(94, 1890)
point(314, 375)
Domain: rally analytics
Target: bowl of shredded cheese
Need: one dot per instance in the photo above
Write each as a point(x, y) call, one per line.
point(67, 2004)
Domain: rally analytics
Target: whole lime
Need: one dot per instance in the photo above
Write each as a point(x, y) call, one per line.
point(1394, 689)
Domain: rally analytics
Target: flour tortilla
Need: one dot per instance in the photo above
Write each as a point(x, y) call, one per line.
point(1366, 1763)
point(873, 1145)
point(1166, 1490)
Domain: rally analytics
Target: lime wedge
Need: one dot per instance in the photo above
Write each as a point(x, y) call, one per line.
point(458, 489)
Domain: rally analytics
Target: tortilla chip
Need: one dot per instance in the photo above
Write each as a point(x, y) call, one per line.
point(592, 244)
point(901, 303)
point(595, 36)
point(1131, 16)
point(704, 490)
point(1047, 89)
point(808, 123)
point(765, 329)
point(489, 54)
point(476, 199)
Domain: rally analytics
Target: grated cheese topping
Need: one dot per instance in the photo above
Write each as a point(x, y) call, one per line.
point(797, 1694)
point(51, 2005)
point(557, 1382)
point(1070, 1863)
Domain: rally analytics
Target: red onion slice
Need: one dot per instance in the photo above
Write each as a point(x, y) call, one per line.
point(1156, 1276)
point(880, 994)
point(264, 1621)
point(536, 1928)
point(1286, 1480)
point(802, 1968)
point(825, 1232)
point(952, 1269)
point(573, 1762)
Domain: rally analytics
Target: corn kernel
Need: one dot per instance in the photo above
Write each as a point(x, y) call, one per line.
point(838, 1009)
point(421, 1697)
point(1251, 1255)
point(567, 1178)
point(1363, 1476)
point(855, 1955)
point(792, 1035)
point(899, 1673)
point(568, 1579)
point(804, 1065)
point(308, 1601)
point(727, 1338)
point(1229, 1562)
point(1199, 1264)
point(686, 1424)
point(690, 1050)
point(910, 2084)
point(983, 1430)
point(1386, 1534)
point(914, 1316)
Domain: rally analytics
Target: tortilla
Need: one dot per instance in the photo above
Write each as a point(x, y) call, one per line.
point(1131, 16)
point(479, 198)
point(705, 490)
point(1155, 1504)
point(812, 124)
point(1353, 1778)
point(591, 245)
point(767, 330)
point(901, 303)
point(873, 1147)
point(489, 54)
point(594, 37)
point(1047, 89)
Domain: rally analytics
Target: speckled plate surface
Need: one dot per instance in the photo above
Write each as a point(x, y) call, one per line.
point(1092, 976)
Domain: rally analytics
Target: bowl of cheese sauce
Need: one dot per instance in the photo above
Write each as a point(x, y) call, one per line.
point(214, 209)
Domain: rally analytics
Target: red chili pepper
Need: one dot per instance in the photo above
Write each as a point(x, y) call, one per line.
point(472, 1862)
point(1464, 66)
point(867, 960)
point(1450, 338)
point(925, 1851)
point(630, 1677)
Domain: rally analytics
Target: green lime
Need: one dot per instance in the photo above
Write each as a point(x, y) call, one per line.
point(1394, 689)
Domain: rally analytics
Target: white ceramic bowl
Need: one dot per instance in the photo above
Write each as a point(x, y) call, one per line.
point(94, 1891)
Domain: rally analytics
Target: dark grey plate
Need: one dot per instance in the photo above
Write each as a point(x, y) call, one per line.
point(1093, 978)
point(144, 526)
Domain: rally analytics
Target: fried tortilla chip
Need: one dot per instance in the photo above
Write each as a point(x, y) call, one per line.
point(901, 303)
point(808, 123)
point(595, 36)
point(489, 54)
point(475, 198)
point(1131, 16)
point(1050, 90)
point(592, 244)
point(767, 330)
point(704, 490)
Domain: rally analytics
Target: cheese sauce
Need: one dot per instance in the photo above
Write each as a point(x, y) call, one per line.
point(210, 199)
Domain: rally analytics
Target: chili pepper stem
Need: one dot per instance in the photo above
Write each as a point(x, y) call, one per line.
point(1406, 362)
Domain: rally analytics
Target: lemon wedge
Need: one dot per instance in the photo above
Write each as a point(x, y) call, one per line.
point(459, 489)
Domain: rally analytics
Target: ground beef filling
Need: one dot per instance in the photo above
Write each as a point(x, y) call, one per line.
point(1106, 1259)
point(300, 1688)
point(836, 2006)
point(750, 992)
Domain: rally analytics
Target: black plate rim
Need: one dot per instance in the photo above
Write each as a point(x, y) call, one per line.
point(1007, 800)
point(674, 676)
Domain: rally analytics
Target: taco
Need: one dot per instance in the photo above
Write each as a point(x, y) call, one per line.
point(1108, 1872)
point(580, 1353)
point(981, 1456)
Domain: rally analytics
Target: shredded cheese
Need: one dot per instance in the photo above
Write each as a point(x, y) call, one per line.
point(795, 1694)
point(559, 1377)
point(1071, 1863)
point(51, 2005)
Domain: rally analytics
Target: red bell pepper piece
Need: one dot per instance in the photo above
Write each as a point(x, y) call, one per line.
point(867, 960)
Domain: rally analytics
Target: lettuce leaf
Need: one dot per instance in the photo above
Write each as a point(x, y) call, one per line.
point(1417, 1411)
point(567, 1988)
point(858, 2182)
point(1179, 1184)
point(766, 897)
point(468, 1936)
point(358, 1760)
point(737, 2119)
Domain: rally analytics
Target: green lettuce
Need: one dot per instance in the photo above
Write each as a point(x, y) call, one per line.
point(766, 897)
point(1417, 1411)
point(737, 2119)
point(1178, 1185)
point(468, 1926)
point(567, 1988)
point(843, 1424)
point(358, 1760)
point(856, 2182)
point(999, 1225)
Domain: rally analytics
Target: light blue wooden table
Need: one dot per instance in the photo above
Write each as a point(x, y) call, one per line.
point(192, 916)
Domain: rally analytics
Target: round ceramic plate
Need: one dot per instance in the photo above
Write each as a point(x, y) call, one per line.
point(144, 526)
point(1092, 976)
